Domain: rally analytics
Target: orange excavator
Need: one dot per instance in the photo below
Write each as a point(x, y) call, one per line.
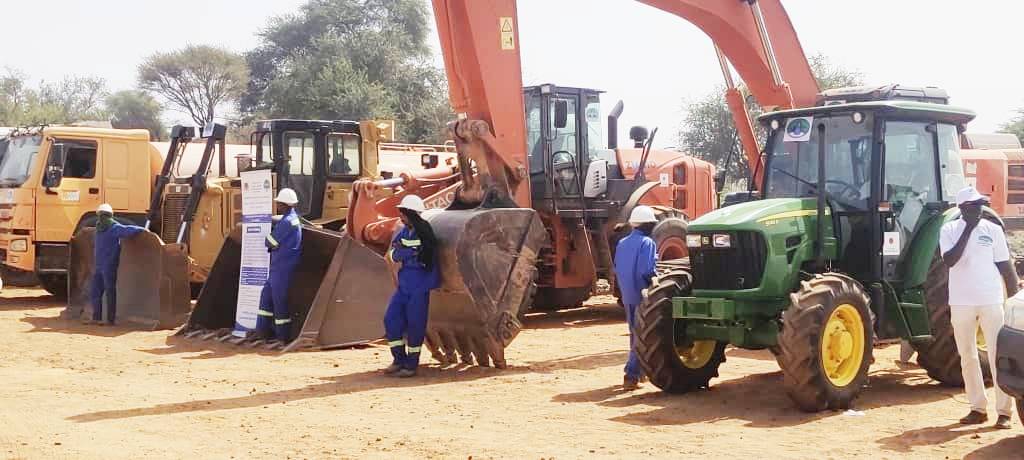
point(533, 217)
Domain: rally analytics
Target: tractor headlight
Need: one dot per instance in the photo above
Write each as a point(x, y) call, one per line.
point(721, 241)
point(693, 241)
point(19, 246)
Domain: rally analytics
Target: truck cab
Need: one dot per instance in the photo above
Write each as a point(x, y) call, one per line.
point(51, 181)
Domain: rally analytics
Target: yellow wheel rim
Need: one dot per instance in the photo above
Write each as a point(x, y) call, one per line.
point(979, 338)
point(697, 355)
point(842, 345)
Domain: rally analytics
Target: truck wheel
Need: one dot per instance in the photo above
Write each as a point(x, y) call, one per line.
point(826, 343)
point(673, 363)
point(940, 357)
point(670, 237)
point(56, 285)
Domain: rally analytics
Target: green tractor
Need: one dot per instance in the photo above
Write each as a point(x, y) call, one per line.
point(837, 251)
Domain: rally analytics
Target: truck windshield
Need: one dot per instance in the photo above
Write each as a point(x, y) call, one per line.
point(793, 158)
point(18, 159)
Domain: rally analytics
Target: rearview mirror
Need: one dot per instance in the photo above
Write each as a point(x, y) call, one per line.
point(561, 113)
point(55, 166)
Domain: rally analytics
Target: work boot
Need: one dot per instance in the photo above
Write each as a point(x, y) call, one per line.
point(974, 418)
point(1002, 422)
point(393, 368)
point(405, 373)
point(630, 383)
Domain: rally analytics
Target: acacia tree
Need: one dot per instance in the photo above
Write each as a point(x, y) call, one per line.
point(708, 132)
point(197, 79)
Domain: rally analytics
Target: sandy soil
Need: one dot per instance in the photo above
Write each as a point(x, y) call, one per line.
point(72, 391)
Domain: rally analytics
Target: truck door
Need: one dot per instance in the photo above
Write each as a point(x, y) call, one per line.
point(79, 192)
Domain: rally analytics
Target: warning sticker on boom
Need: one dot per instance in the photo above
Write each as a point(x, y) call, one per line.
point(508, 40)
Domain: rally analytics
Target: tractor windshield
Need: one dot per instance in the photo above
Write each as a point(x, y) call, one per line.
point(18, 159)
point(792, 153)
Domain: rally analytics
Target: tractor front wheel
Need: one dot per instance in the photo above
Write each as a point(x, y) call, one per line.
point(673, 363)
point(826, 343)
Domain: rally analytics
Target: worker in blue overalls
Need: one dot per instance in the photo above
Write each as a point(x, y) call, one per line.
point(107, 252)
point(284, 244)
point(635, 258)
point(405, 321)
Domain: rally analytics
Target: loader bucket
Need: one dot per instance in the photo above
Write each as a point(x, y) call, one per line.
point(152, 281)
point(324, 313)
point(488, 270)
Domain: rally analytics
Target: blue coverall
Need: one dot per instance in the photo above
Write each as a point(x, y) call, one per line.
point(635, 258)
point(107, 252)
point(406, 315)
point(284, 244)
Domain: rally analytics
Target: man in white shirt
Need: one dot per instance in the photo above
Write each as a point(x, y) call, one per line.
point(978, 258)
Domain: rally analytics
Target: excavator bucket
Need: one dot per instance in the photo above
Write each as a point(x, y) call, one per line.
point(334, 299)
point(488, 269)
point(152, 281)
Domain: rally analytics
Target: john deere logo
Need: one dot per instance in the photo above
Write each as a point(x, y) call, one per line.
point(798, 127)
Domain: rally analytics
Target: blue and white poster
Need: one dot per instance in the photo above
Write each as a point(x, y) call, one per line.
point(257, 209)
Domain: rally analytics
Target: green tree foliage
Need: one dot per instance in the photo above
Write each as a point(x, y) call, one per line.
point(71, 99)
point(708, 132)
point(351, 59)
point(197, 79)
point(134, 109)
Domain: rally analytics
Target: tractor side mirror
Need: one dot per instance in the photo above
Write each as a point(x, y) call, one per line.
point(55, 166)
point(561, 113)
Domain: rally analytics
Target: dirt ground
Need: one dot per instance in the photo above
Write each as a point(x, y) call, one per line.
point(73, 391)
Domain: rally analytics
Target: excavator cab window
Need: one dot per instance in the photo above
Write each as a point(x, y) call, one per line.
point(343, 155)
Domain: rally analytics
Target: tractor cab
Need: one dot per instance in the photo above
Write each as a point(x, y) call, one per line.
point(882, 168)
point(310, 155)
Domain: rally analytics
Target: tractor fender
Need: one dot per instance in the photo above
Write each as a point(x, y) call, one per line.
point(926, 242)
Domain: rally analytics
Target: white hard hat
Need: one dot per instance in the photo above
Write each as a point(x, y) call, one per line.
point(642, 215)
point(969, 194)
point(105, 208)
point(412, 203)
point(287, 196)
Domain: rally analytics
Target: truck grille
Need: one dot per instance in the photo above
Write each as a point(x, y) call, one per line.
point(170, 216)
point(738, 267)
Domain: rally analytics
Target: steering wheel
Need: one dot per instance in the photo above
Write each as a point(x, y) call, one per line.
point(561, 164)
point(854, 191)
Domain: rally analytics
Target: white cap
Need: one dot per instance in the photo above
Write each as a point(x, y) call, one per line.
point(412, 203)
point(642, 215)
point(105, 208)
point(969, 194)
point(287, 196)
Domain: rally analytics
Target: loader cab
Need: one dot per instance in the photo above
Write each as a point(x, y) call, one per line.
point(310, 156)
point(563, 132)
point(889, 167)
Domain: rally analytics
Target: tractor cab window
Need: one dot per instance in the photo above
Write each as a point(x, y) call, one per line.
point(909, 172)
point(343, 155)
point(564, 139)
point(951, 167)
point(793, 160)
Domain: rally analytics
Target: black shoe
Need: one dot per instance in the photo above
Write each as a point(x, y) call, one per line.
point(1002, 422)
point(974, 418)
point(405, 373)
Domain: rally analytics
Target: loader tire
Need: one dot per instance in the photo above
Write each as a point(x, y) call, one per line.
point(672, 368)
point(826, 342)
point(670, 237)
point(56, 285)
point(940, 357)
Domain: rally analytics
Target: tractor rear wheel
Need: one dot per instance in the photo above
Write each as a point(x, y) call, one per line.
point(826, 343)
point(673, 363)
point(940, 357)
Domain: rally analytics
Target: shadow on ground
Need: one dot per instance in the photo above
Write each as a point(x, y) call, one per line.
point(56, 324)
point(29, 302)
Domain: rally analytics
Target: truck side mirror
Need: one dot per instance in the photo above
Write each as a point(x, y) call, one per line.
point(561, 113)
point(55, 166)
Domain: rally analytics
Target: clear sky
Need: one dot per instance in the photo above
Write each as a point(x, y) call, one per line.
point(651, 60)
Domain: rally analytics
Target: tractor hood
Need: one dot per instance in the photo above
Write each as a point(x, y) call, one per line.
point(756, 214)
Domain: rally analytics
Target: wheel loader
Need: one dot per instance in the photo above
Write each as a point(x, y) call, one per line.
point(840, 251)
